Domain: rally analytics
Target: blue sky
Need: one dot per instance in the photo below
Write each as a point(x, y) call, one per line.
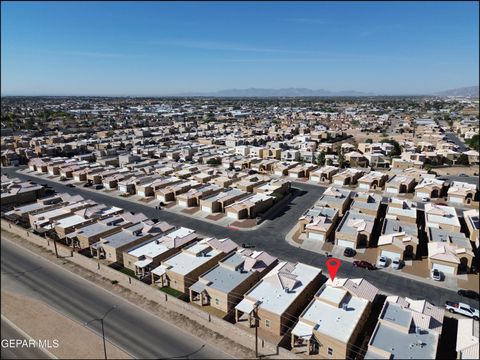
point(156, 48)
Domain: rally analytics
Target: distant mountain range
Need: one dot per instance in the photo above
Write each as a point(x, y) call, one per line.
point(287, 92)
point(470, 91)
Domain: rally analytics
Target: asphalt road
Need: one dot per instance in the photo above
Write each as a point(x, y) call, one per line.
point(453, 137)
point(270, 237)
point(138, 332)
point(9, 333)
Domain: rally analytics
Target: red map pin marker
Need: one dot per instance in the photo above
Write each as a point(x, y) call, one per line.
point(332, 266)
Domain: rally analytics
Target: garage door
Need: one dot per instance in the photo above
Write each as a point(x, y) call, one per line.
point(444, 268)
point(390, 254)
point(315, 236)
point(423, 195)
point(182, 203)
point(232, 215)
point(392, 190)
point(207, 209)
point(345, 243)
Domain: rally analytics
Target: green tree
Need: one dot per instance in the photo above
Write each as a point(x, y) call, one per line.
point(462, 160)
point(341, 160)
point(397, 149)
point(474, 142)
point(321, 158)
point(369, 141)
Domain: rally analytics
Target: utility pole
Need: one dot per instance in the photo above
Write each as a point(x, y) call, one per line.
point(102, 319)
point(256, 330)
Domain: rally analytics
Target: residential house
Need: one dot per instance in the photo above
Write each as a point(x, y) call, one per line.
point(400, 184)
point(429, 187)
point(148, 255)
point(324, 174)
point(366, 203)
point(331, 324)
point(249, 207)
point(406, 329)
point(468, 345)
point(182, 270)
point(461, 193)
point(449, 252)
point(279, 297)
point(224, 286)
point(335, 198)
point(402, 210)
point(473, 225)
point(398, 240)
point(355, 230)
point(372, 181)
point(348, 176)
point(441, 217)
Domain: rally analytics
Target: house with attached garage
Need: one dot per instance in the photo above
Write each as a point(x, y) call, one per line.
point(348, 176)
point(461, 193)
point(372, 181)
point(218, 202)
point(429, 187)
point(318, 222)
point(324, 174)
point(355, 230)
point(193, 196)
point(400, 184)
point(398, 240)
point(449, 252)
point(249, 207)
point(335, 198)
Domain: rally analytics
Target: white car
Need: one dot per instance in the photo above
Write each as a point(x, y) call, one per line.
point(425, 199)
point(396, 263)
point(382, 261)
point(436, 275)
point(461, 308)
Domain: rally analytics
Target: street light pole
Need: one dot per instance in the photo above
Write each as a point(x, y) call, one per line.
point(102, 319)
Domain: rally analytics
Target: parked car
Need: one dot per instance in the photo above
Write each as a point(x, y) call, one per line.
point(469, 294)
point(63, 178)
point(396, 263)
point(382, 261)
point(425, 199)
point(349, 252)
point(364, 264)
point(463, 309)
point(70, 185)
point(98, 187)
point(87, 185)
point(436, 275)
point(246, 246)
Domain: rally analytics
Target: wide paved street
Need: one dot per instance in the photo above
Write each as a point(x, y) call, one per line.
point(271, 237)
point(140, 333)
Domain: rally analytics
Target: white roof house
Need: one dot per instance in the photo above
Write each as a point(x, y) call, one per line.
point(279, 288)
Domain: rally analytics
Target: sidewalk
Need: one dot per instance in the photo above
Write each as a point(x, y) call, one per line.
point(41, 322)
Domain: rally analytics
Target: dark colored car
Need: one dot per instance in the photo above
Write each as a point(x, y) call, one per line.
point(246, 246)
point(364, 264)
point(98, 187)
point(349, 252)
point(469, 294)
point(70, 185)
